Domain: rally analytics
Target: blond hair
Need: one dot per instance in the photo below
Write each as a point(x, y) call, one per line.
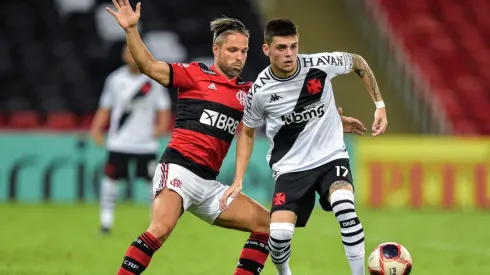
point(222, 27)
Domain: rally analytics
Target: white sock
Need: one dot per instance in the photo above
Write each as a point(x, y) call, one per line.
point(108, 196)
point(342, 202)
point(280, 246)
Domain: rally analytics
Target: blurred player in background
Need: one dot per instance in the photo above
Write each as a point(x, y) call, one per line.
point(139, 111)
point(210, 107)
point(307, 154)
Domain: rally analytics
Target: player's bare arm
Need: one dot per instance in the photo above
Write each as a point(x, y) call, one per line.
point(100, 121)
point(362, 69)
point(245, 145)
point(147, 64)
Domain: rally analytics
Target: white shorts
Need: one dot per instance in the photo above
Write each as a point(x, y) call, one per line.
point(199, 196)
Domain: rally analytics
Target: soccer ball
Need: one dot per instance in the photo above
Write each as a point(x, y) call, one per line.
point(390, 259)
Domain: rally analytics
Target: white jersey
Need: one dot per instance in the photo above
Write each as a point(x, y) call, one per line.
point(134, 100)
point(302, 124)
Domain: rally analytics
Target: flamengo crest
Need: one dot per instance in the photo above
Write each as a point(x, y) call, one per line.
point(241, 96)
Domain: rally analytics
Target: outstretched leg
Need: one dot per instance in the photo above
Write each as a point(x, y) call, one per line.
point(282, 229)
point(247, 215)
point(167, 208)
point(168, 205)
point(341, 198)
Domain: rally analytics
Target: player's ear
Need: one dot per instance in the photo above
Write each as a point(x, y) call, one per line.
point(215, 50)
point(266, 49)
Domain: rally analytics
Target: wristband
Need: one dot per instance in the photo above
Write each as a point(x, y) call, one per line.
point(379, 104)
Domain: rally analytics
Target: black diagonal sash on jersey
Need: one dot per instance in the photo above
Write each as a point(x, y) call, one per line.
point(143, 91)
point(287, 135)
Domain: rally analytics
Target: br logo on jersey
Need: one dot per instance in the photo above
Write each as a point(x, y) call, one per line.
point(309, 112)
point(220, 121)
point(314, 86)
point(241, 96)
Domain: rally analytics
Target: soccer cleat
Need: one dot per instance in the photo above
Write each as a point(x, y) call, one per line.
point(105, 230)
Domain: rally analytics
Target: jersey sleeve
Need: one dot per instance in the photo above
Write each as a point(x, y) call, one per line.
point(162, 99)
point(183, 75)
point(253, 116)
point(107, 97)
point(338, 63)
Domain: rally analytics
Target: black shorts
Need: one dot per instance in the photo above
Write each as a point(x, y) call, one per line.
point(296, 191)
point(117, 167)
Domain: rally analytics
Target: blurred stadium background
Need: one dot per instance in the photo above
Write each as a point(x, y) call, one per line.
point(424, 184)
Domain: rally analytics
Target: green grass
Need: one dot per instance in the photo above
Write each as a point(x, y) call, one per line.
point(58, 239)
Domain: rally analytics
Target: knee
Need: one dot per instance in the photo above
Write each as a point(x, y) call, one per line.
point(341, 195)
point(340, 185)
point(281, 230)
point(160, 230)
point(263, 225)
point(342, 200)
point(260, 221)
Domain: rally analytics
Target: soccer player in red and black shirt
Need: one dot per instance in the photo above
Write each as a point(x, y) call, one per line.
point(209, 108)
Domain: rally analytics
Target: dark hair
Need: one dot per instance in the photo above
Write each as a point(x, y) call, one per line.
point(279, 27)
point(227, 25)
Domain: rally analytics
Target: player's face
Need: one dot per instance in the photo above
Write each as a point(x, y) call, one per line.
point(282, 53)
point(232, 55)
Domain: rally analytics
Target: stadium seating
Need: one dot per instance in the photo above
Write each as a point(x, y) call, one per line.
point(449, 41)
point(61, 121)
point(3, 120)
point(23, 120)
point(57, 53)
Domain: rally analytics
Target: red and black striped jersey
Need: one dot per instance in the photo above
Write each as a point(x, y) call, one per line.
point(209, 110)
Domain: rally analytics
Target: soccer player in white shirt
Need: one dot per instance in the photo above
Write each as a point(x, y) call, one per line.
point(139, 111)
point(295, 100)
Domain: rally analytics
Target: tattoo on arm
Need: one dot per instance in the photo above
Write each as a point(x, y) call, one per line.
point(358, 66)
point(361, 68)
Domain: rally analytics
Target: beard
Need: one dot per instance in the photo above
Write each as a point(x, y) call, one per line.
point(230, 71)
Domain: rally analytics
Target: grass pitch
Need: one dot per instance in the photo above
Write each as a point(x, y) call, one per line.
point(64, 239)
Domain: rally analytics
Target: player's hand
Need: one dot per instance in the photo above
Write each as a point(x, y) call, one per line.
point(380, 122)
point(232, 192)
point(351, 125)
point(98, 138)
point(125, 15)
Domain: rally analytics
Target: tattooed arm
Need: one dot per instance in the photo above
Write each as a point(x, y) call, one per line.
point(362, 69)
